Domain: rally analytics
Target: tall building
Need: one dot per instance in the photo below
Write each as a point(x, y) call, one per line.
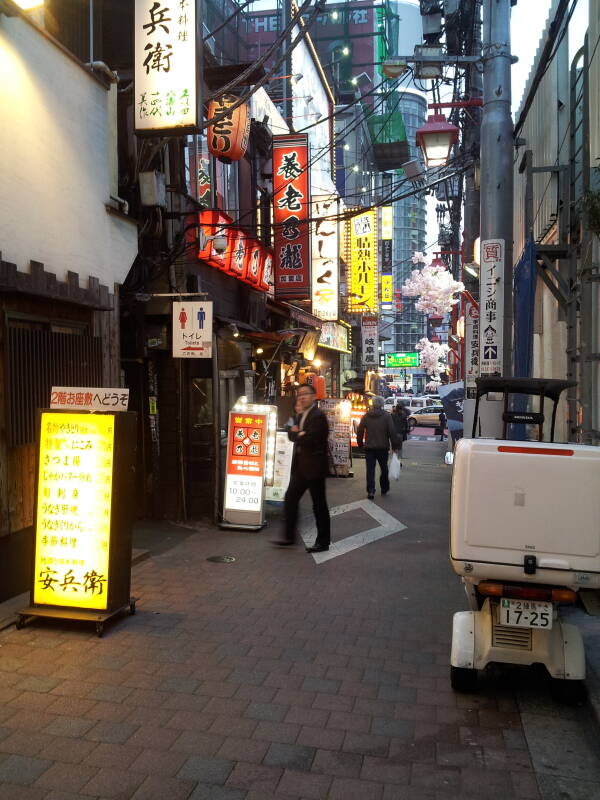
point(410, 231)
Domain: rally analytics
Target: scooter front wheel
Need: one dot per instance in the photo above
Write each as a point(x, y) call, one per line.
point(463, 679)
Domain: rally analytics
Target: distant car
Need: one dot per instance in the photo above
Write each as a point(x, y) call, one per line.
point(428, 417)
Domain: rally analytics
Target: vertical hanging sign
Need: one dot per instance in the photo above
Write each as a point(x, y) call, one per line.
point(370, 339)
point(325, 279)
point(291, 208)
point(167, 67)
point(387, 280)
point(192, 330)
point(363, 263)
point(491, 307)
point(471, 349)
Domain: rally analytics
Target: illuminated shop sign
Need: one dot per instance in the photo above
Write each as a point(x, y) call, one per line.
point(167, 68)
point(363, 262)
point(250, 462)
point(325, 278)
point(402, 360)
point(74, 506)
point(336, 336)
point(291, 206)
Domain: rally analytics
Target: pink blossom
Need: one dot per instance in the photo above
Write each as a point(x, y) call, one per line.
point(434, 286)
point(433, 356)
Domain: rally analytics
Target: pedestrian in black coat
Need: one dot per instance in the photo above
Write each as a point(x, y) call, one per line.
point(378, 432)
point(310, 466)
point(442, 426)
point(400, 421)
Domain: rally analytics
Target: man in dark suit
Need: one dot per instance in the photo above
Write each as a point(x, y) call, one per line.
point(309, 468)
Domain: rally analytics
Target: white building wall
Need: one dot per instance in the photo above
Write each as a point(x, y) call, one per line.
point(58, 145)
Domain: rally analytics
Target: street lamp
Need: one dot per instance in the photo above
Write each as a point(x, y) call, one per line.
point(436, 138)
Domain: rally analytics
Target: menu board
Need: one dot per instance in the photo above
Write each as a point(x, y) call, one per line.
point(284, 451)
point(245, 461)
point(338, 414)
point(73, 516)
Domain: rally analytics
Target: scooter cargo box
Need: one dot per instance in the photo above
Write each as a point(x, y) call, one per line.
point(526, 511)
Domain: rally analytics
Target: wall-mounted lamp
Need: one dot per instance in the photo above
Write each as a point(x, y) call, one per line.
point(234, 329)
point(361, 80)
point(472, 269)
point(259, 351)
point(219, 241)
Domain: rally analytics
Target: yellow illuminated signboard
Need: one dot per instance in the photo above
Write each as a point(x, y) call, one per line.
point(387, 289)
point(72, 539)
point(387, 222)
point(363, 263)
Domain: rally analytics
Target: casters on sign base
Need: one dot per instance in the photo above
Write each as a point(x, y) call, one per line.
point(99, 629)
point(132, 606)
point(20, 623)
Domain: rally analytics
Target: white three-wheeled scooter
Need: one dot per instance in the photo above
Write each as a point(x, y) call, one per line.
point(525, 537)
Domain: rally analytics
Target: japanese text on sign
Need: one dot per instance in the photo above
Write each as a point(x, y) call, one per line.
point(74, 510)
point(491, 309)
point(89, 399)
point(325, 258)
point(370, 341)
point(291, 205)
point(363, 263)
point(192, 330)
point(471, 348)
point(165, 64)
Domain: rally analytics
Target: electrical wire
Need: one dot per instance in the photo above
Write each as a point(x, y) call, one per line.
point(229, 19)
point(233, 84)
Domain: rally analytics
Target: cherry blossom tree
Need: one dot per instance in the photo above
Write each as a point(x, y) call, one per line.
point(434, 356)
point(433, 285)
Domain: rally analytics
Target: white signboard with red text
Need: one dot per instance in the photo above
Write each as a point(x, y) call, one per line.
point(192, 329)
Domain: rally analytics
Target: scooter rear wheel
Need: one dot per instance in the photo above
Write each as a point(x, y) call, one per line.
point(463, 679)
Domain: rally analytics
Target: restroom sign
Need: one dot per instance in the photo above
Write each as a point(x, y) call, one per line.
point(192, 329)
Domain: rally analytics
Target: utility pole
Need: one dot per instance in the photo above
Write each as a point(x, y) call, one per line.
point(471, 145)
point(496, 193)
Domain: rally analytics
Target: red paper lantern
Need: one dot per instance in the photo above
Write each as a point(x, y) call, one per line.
point(253, 261)
point(228, 137)
point(266, 272)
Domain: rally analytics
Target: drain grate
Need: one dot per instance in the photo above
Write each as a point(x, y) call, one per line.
point(221, 559)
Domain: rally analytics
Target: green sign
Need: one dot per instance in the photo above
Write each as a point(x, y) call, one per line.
point(401, 359)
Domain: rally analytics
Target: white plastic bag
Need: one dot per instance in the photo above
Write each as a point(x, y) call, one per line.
point(395, 467)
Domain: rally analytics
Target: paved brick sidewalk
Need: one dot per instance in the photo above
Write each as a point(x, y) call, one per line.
point(270, 677)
